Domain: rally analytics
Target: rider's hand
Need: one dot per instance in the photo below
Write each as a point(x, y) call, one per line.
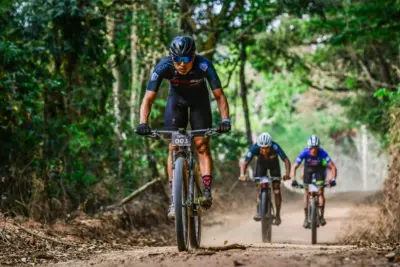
point(294, 183)
point(224, 126)
point(143, 129)
point(286, 177)
point(243, 178)
point(332, 182)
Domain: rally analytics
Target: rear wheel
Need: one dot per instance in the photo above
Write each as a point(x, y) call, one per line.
point(195, 219)
point(313, 217)
point(265, 212)
point(180, 196)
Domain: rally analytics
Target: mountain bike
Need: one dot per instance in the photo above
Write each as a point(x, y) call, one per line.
point(186, 186)
point(265, 207)
point(312, 210)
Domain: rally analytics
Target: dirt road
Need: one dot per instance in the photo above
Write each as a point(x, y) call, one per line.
point(290, 245)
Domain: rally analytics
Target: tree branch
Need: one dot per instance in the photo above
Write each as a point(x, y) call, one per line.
point(134, 194)
point(231, 72)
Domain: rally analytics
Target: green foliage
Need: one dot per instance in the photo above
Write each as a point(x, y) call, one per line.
point(57, 121)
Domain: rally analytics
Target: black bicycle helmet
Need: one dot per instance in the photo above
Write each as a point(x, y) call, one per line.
point(182, 46)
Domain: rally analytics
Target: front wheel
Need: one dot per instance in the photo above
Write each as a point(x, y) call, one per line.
point(180, 196)
point(313, 217)
point(266, 215)
point(195, 218)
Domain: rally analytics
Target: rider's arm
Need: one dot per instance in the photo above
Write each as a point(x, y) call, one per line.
point(333, 169)
point(254, 150)
point(222, 103)
point(283, 157)
point(294, 168)
point(243, 167)
point(297, 164)
point(287, 167)
point(161, 71)
point(145, 108)
point(215, 84)
point(329, 163)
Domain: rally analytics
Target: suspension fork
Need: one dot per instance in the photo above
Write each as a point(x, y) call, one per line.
point(312, 196)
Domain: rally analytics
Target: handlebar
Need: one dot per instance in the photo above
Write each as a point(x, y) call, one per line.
point(156, 134)
point(302, 186)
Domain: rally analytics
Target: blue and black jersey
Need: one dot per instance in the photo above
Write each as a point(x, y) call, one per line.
point(191, 87)
point(321, 160)
point(187, 93)
point(268, 161)
point(314, 165)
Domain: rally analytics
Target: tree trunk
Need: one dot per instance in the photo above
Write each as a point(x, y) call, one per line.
point(184, 8)
point(135, 79)
point(113, 62)
point(243, 93)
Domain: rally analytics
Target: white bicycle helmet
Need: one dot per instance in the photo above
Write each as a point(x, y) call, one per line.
point(313, 141)
point(264, 140)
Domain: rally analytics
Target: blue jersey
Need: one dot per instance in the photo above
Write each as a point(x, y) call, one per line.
point(321, 160)
point(275, 151)
point(190, 88)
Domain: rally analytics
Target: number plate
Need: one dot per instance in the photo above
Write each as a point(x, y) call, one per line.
point(312, 188)
point(180, 140)
point(262, 180)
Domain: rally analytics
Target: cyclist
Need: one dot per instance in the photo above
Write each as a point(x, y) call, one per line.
point(188, 93)
point(267, 152)
point(316, 161)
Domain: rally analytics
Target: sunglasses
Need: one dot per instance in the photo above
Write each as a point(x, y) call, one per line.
point(179, 59)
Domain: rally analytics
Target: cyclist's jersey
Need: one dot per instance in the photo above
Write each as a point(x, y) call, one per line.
point(321, 160)
point(266, 162)
point(190, 88)
point(273, 154)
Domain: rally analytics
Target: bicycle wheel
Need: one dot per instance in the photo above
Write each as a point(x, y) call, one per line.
point(195, 218)
point(180, 196)
point(266, 221)
point(313, 217)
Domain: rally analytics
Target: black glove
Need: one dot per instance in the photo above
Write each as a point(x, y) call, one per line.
point(332, 182)
point(143, 129)
point(224, 126)
point(294, 183)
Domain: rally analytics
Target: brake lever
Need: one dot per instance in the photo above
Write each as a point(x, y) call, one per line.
point(211, 133)
point(154, 135)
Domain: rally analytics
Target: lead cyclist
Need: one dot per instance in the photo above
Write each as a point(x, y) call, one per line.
point(188, 75)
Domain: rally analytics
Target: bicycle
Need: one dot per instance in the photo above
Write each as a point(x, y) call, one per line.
point(265, 207)
point(186, 187)
point(312, 210)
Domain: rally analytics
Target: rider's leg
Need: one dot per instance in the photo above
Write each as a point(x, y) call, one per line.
point(321, 205)
point(305, 201)
point(171, 209)
point(202, 145)
point(276, 188)
point(257, 217)
point(275, 173)
point(171, 148)
point(176, 116)
point(306, 180)
point(320, 175)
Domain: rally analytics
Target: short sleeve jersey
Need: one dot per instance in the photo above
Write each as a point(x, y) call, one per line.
point(321, 160)
point(191, 87)
point(275, 151)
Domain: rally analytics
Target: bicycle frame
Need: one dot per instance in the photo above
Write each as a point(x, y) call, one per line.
point(184, 166)
point(186, 151)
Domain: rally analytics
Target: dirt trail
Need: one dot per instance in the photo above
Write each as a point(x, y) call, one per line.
point(240, 227)
point(289, 248)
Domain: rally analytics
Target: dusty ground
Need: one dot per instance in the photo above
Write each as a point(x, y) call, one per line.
point(290, 245)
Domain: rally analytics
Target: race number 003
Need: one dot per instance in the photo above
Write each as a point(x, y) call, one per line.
point(181, 140)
